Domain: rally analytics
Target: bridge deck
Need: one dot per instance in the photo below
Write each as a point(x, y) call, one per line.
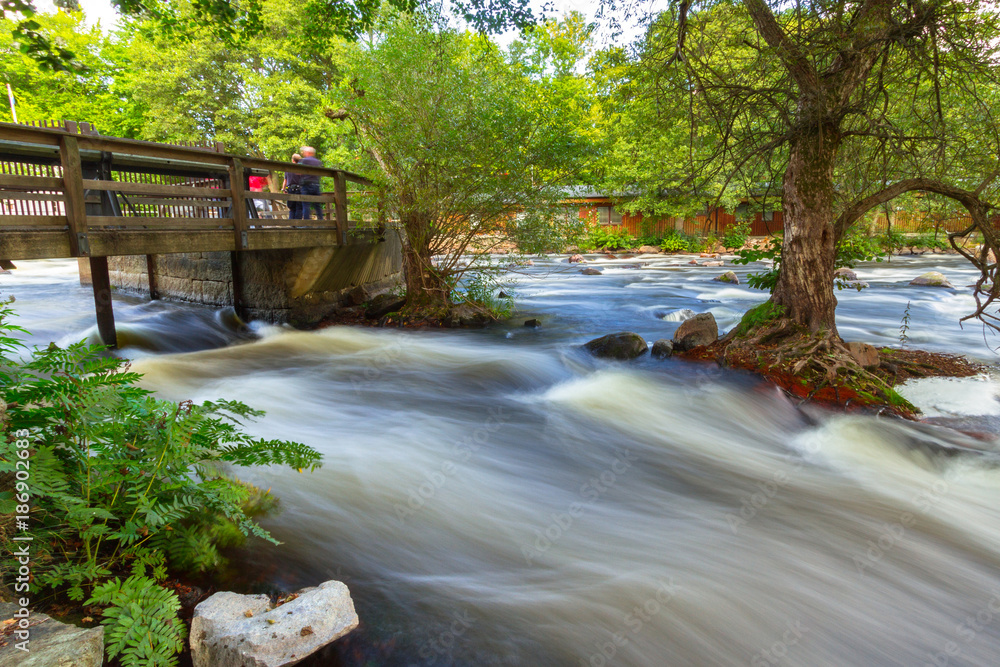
point(65, 192)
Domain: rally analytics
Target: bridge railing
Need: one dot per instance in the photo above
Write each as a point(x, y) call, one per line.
point(64, 194)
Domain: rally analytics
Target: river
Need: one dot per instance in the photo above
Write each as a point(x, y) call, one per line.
point(497, 497)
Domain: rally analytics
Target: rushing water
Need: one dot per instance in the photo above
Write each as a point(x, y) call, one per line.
point(497, 497)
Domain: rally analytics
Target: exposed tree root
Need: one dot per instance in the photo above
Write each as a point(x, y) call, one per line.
point(821, 367)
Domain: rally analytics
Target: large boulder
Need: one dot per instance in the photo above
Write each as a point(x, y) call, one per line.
point(728, 277)
point(621, 345)
point(50, 643)
point(648, 249)
point(702, 329)
point(931, 279)
point(863, 353)
point(384, 304)
point(232, 630)
point(662, 348)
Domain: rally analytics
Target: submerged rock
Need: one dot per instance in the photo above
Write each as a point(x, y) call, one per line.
point(728, 277)
point(232, 630)
point(591, 272)
point(534, 323)
point(714, 263)
point(931, 279)
point(608, 255)
point(51, 643)
point(702, 329)
point(663, 348)
point(576, 258)
point(863, 353)
point(621, 345)
point(384, 304)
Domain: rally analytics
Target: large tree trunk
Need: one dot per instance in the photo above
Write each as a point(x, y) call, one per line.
point(805, 284)
point(427, 293)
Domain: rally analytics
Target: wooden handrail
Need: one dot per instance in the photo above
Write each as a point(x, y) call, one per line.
point(51, 137)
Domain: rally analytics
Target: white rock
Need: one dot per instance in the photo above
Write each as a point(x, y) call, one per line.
point(232, 630)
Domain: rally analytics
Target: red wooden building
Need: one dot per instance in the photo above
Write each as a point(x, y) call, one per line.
point(601, 210)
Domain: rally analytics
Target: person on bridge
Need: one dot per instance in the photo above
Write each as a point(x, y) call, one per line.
point(310, 184)
point(258, 184)
point(293, 186)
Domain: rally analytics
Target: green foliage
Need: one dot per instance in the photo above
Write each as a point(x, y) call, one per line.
point(123, 481)
point(140, 620)
point(904, 327)
point(88, 92)
point(736, 235)
point(770, 249)
point(486, 287)
point(927, 240)
point(675, 243)
point(611, 238)
point(758, 316)
point(460, 143)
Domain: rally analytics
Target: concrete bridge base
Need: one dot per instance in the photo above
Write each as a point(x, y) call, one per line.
point(297, 286)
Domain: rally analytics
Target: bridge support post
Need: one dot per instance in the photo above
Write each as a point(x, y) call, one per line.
point(154, 289)
point(102, 301)
point(239, 301)
point(340, 206)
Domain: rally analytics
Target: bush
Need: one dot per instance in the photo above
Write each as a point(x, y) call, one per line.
point(674, 243)
point(736, 235)
point(612, 239)
point(122, 483)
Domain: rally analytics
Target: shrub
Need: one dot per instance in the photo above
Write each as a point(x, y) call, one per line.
point(674, 243)
point(736, 235)
point(612, 239)
point(122, 482)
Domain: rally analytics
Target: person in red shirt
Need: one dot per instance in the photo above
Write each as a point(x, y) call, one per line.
point(258, 184)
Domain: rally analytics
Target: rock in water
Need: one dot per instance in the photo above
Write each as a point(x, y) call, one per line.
point(534, 324)
point(728, 277)
point(701, 329)
point(384, 304)
point(932, 279)
point(232, 630)
point(713, 263)
point(621, 345)
point(864, 354)
point(663, 348)
point(845, 273)
point(591, 272)
point(648, 249)
point(51, 643)
point(576, 258)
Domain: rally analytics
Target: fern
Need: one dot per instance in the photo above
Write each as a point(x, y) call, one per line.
point(140, 621)
point(123, 482)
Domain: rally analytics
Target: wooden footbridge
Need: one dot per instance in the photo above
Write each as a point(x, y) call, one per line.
point(66, 191)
